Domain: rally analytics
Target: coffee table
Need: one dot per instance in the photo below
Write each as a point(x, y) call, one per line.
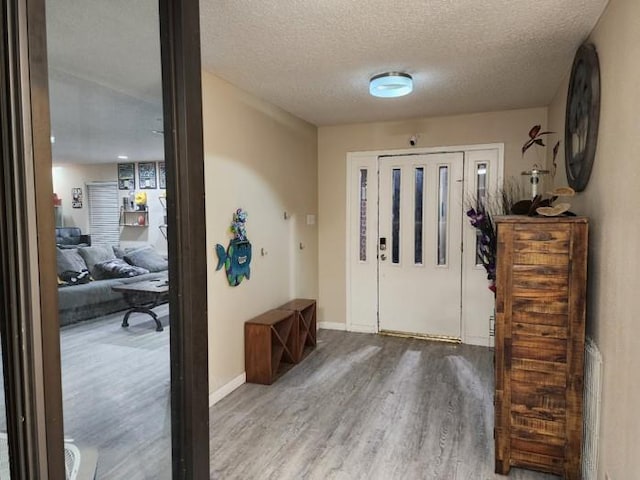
point(143, 297)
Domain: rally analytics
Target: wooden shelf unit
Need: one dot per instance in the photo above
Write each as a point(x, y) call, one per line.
point(129, 218)
point(305, 310)
point(539, 349)
point(269, 344)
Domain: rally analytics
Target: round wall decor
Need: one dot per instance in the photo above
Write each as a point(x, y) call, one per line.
point(582, 116)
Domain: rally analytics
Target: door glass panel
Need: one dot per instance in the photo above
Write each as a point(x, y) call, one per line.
point(395, 216)
point(5, 471)
point(363, 215)
point(481, 195)
point(109, 180)
point(443, 207)
point(418, 215)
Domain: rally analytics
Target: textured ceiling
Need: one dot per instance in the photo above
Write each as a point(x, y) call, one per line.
point(312, 58)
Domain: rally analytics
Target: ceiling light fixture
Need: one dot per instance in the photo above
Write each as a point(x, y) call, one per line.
point(391, 85)
point(123, 157)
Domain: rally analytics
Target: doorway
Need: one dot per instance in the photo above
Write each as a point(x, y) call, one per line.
point(32, 357)
point(419, 239)
point(411, 262)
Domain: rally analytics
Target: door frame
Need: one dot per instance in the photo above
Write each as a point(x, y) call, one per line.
point(359, 284)
point(30, 334)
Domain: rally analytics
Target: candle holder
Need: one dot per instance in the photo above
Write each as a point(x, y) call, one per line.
point(535, 179)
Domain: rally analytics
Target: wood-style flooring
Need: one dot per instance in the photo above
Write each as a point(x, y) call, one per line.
point(360, 406)
point(115, 386)
point(364, 406)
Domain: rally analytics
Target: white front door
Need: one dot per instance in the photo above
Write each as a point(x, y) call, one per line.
point(419, 244)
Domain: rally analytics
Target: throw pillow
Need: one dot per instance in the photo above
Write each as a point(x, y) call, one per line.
point(147, 258)
point(116, 268)
point(75, 278)
point(69, 260)
point(119, 252)
point(96, 254)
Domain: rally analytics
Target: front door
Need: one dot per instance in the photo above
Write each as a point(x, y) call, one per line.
point(419, 244)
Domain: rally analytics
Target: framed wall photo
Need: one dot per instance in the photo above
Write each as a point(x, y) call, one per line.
point(162, 175)
point(76, 197)
point(126, 176)
point(147, 175)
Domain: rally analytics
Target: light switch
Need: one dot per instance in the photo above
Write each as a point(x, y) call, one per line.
point(311, 219)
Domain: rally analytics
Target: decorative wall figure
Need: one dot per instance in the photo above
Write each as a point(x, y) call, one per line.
point(237, 258)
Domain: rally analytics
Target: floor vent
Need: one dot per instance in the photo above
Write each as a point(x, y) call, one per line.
point(591, 409)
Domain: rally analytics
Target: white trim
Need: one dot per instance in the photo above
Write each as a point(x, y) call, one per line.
point(363, 155)
point(332, 326)
point(362, 328)
point(427, 151)
point(226, 389)
point(480, 341)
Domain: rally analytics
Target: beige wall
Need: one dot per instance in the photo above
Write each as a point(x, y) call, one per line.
point(263, 160)
point(612, 203)
point(508, 127)
point(68, 176)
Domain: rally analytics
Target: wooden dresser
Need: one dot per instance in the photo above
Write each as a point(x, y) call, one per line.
point(539, 349)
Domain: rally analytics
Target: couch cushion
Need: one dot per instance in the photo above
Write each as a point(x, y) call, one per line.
point(119, 252)
point(147, 258)
point(116, 268)
point(89, 295)
point(96, 254)
point(69, 260)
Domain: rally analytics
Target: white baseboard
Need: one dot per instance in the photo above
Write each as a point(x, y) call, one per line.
point(226, 389)
point(362, 328)
point(480, 341)
point(332, 326)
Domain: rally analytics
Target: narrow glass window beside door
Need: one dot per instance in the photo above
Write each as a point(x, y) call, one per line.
point(418, 215)
point(363, 215)
point(395, 216)
point(443, 207)
point(481, 196)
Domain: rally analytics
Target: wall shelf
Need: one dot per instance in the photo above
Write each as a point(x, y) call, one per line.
point(132, 218)
point(163, 227)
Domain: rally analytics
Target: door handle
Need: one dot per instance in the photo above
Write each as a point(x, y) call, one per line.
point(383, 257)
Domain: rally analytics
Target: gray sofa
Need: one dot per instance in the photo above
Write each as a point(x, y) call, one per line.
point(94, 299)
point(85, 301)
point(67, 237)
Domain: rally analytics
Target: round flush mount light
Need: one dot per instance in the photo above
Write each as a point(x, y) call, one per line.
point(391, 84)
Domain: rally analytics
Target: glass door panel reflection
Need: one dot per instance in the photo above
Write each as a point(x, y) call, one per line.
point(108, 148)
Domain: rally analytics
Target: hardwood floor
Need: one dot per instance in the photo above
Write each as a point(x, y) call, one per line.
point(364, 406)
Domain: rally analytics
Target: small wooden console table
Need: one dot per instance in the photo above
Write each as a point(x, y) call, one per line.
point(279, 338)
point(269, 343)
point(305, 310)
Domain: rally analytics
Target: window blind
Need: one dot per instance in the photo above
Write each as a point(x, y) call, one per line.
point(104, 213)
